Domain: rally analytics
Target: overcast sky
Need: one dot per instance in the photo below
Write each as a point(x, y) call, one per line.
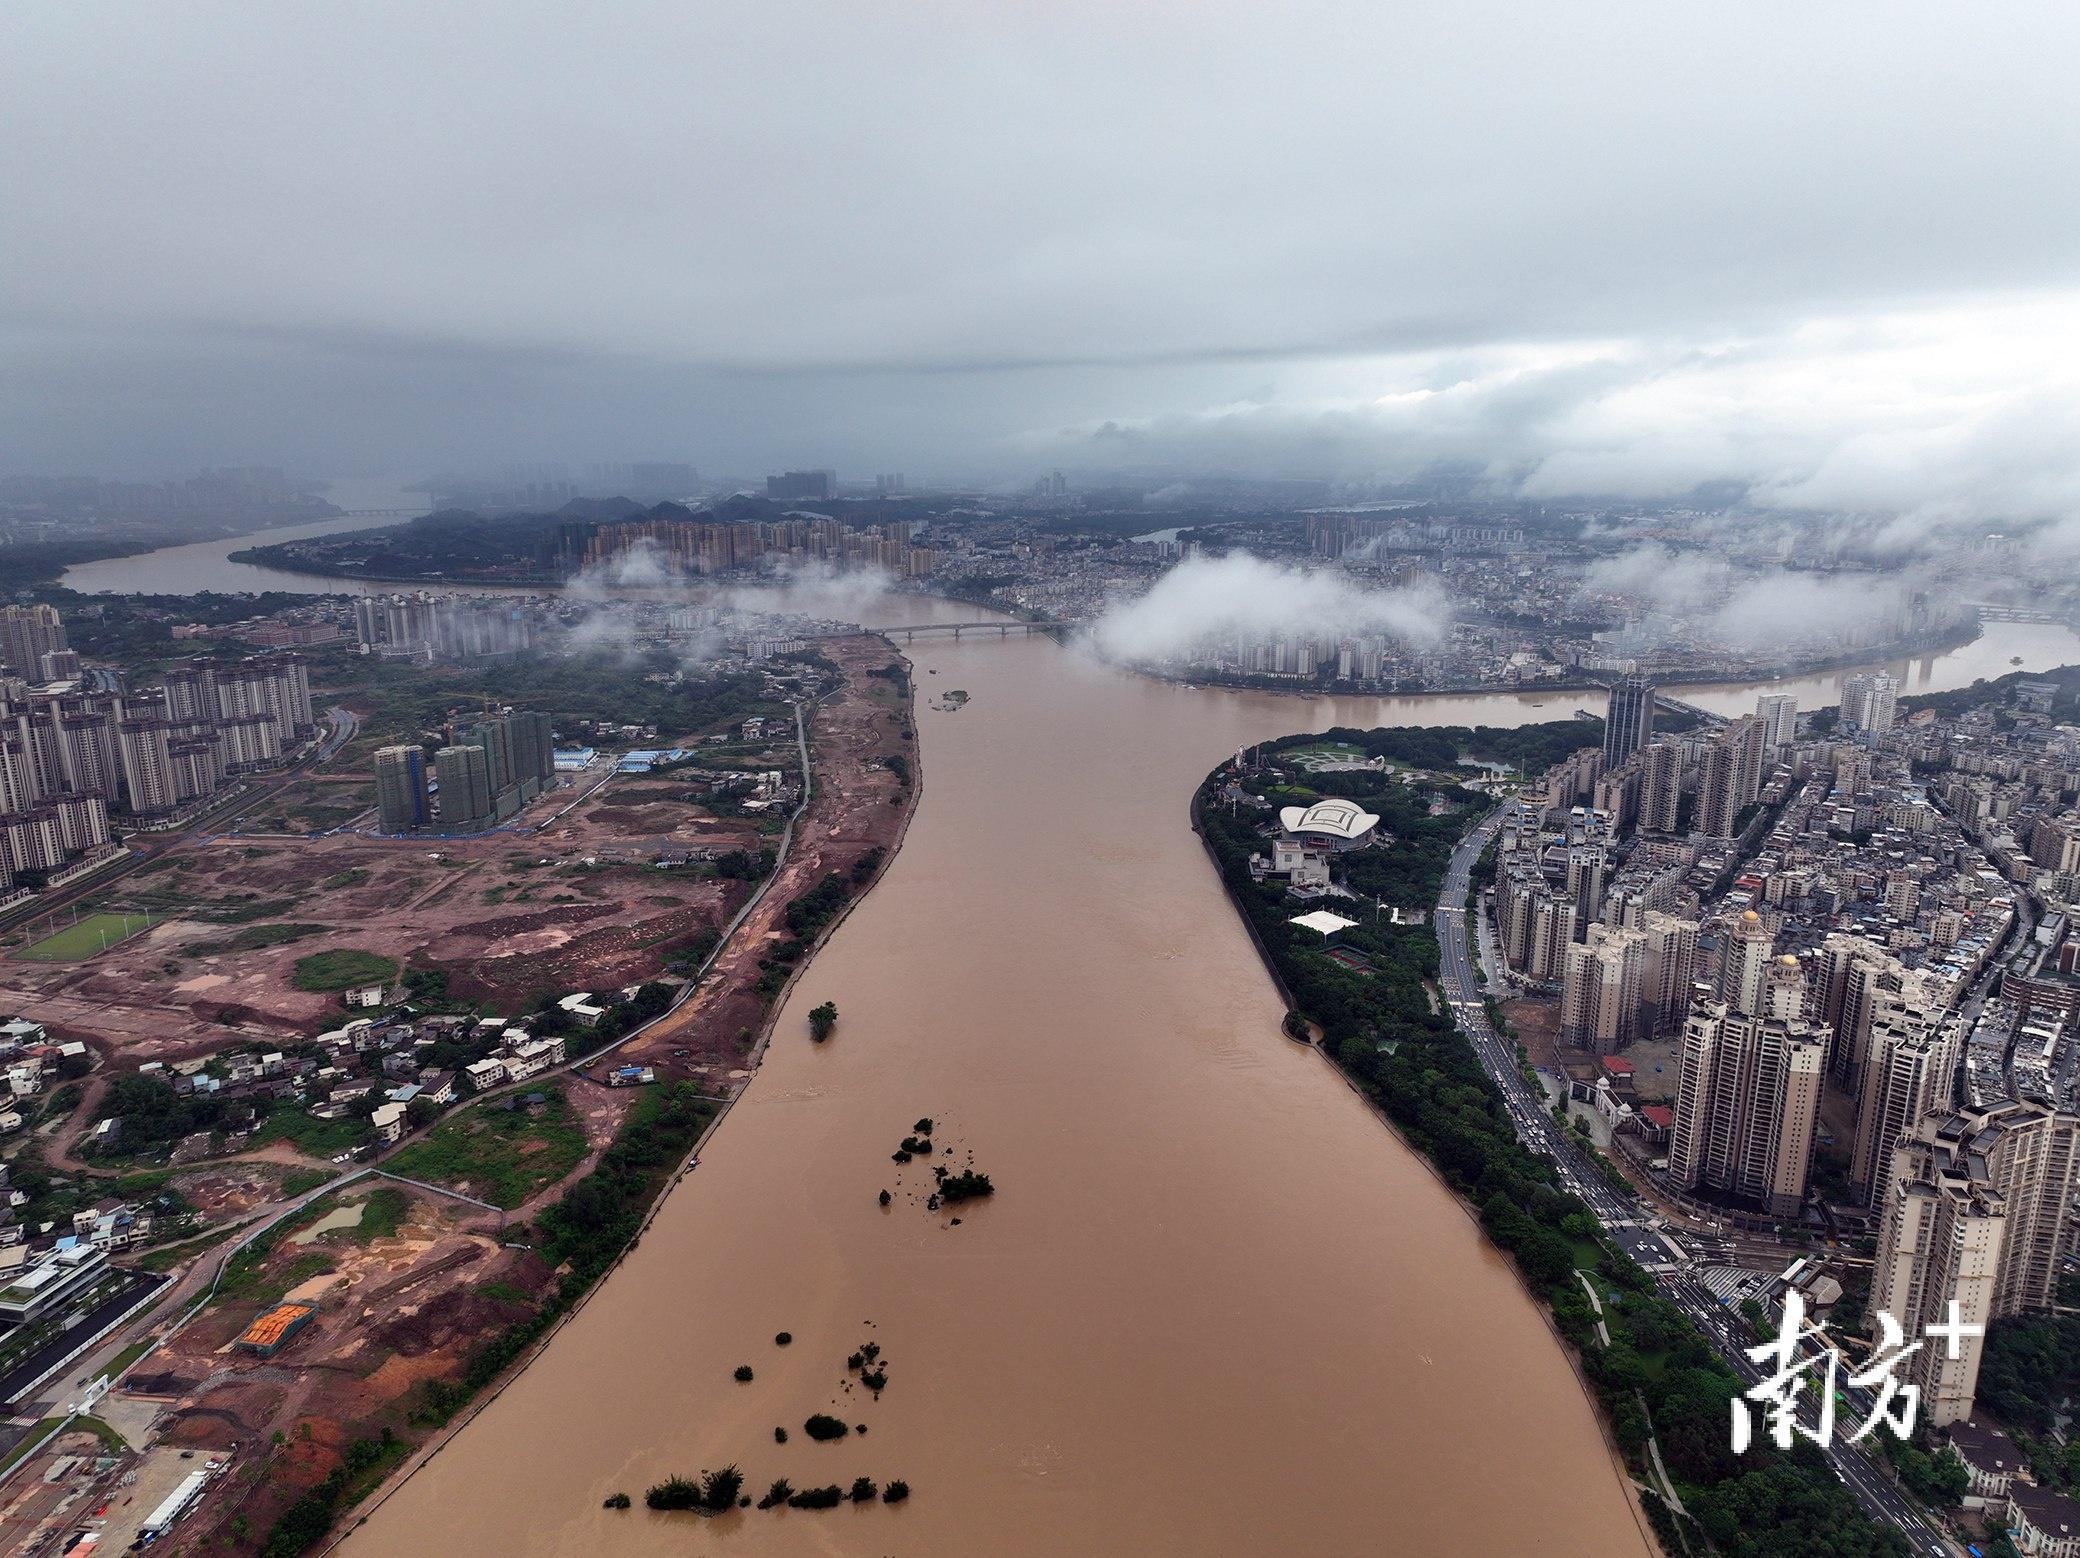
point(1833, 249)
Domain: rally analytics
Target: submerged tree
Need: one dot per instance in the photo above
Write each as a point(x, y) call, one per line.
point(719, 1489)
point(822, 1019)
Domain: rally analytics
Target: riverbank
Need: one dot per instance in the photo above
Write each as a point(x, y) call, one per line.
point(1652, 1376)
point(850, 824)
point(1932, 644)
point(1567, 1347)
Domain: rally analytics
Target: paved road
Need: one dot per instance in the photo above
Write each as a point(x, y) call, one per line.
point(1631, 1225)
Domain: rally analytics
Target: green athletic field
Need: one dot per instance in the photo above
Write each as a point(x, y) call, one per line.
point(72, 942)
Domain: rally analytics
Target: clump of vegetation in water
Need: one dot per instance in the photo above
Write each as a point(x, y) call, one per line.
point(779, 1436)
point(896, 1491)
point(924, 1126)
point(917, 1146)
point(616, 1501)
point(720, 1489)
point(964, 1186)
point(782, 1338)
point(779, 1493)
point(711, 1493)
point(743, 1374)
point(674, 1493)
point(885, 1198)
point(863, 1490)
point(823, 1427)
point(817, 1498)
point(822, 1019)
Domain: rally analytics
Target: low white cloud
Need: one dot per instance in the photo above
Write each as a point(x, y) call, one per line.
point(1667, 593)
point(814, 589)
point(1240, 596)
point(1906, 429)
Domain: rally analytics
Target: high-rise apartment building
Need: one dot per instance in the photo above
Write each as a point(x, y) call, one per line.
point(1747, 1103)
point(27, 634)
point(1588, 873)
point(1623, 984)
point(1661, 787)
point(795, 486)
point(1870, 701)
point(1735, 765)
point(1778, 712)
point(1857, 977)
point(465, 779)
point(1911, 1073)
point(401, 803)
point(1939, 1243)
point(1600, 993)
point(1744, 964)
point(1628, 722)
point(1976, 1210)
point(146, 749)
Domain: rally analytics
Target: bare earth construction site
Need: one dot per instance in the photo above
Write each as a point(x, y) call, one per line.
point(356, 1328)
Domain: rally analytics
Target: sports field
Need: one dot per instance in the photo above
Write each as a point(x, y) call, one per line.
point(91, 934)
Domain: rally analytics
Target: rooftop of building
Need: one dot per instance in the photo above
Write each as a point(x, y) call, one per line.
point(1335, 816)
point(269, 1329)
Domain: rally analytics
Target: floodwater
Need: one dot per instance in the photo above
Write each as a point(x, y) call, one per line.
point(346, 1215)
point(1214, 1307)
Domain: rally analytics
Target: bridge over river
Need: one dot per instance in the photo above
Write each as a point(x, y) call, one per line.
point(1003, 628)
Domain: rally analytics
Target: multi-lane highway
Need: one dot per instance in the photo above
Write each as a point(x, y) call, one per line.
point(1630, 1225)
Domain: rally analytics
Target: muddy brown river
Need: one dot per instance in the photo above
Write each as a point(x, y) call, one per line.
point(1215, 1305)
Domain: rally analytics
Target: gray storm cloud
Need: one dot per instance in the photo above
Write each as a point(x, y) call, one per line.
point(1238, 596)
point(1620, 248)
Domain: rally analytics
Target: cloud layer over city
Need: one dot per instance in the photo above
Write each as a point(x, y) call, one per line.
point(1243, 597)
point(1623, 250)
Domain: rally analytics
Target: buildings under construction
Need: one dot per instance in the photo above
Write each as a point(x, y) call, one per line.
point(487, 771)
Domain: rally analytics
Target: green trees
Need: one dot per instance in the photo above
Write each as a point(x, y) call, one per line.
point(152, 1112)
point(1936, 1477)
point(965, 1186)
point(712, 1491)
point(822, 1019)
point(673, 1493)
point(816, 908)
point(2031, 1362)
point(822, 1427)
point(720, 1489)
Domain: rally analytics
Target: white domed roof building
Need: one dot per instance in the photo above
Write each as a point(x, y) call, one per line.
point(1332, 824)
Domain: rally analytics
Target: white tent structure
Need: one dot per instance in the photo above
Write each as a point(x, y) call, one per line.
point(1325, 922)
